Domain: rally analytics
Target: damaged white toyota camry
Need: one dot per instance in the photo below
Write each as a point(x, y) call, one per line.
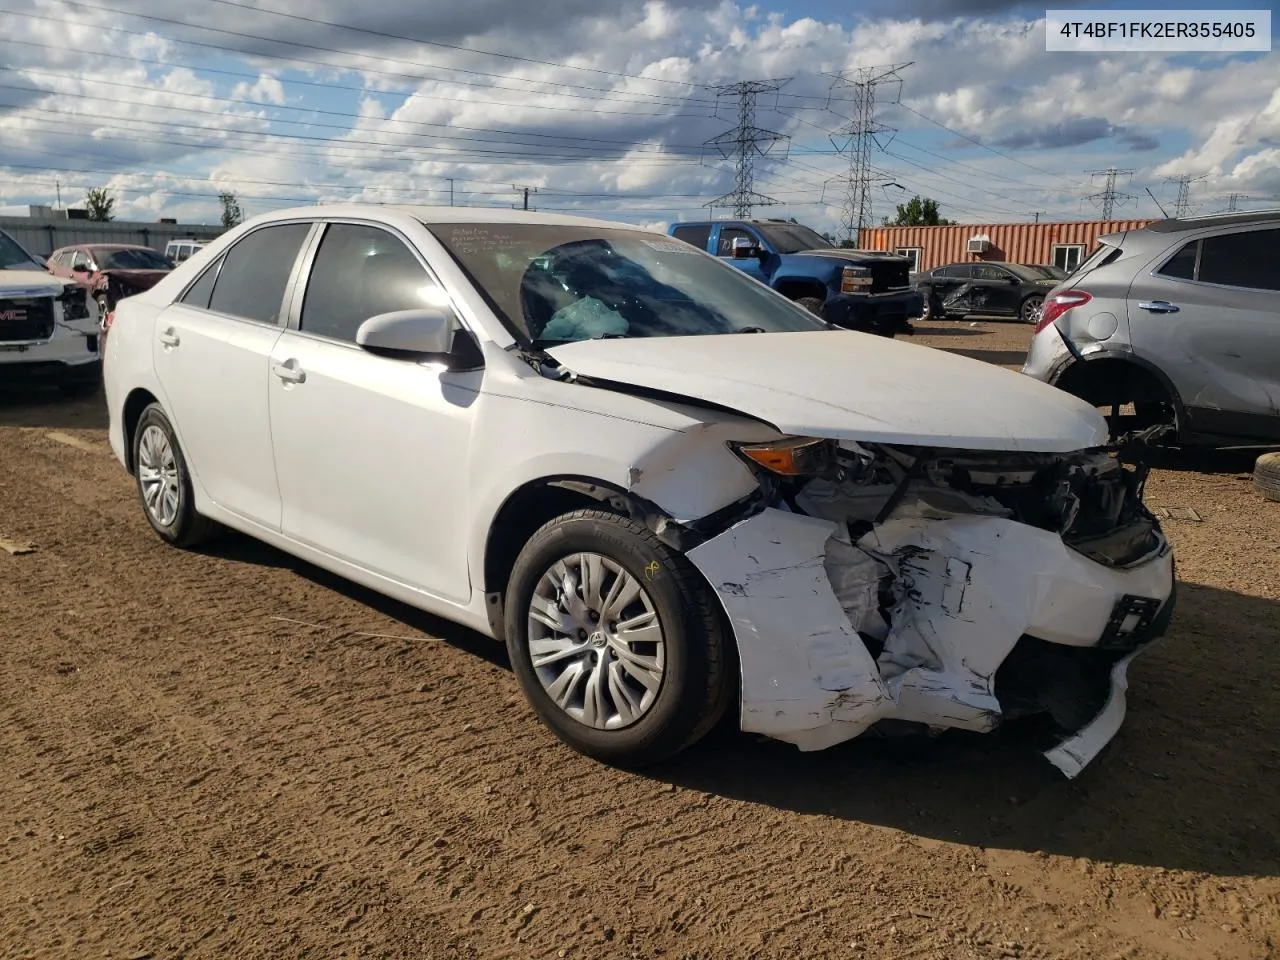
point(670, 490)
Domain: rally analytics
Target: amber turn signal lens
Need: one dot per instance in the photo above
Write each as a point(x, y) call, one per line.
point(793, 457)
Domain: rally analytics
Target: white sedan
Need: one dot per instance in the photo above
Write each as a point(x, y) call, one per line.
point(667, 488)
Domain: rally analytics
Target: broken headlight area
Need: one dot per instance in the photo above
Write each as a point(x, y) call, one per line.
point(1091, 499)
point(75, 304)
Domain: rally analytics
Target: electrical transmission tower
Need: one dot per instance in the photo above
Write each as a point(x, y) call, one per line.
point(857, 140)
point(1109, 196)
point(1183, 205)
point(744, 143)
point(1233, 201)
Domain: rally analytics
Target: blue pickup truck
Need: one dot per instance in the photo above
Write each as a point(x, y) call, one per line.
point(866, 290)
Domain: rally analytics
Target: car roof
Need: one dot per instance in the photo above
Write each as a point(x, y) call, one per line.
point(441, 215)
point(1213, 220)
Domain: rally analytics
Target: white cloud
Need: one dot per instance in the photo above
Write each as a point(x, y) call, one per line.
point(620, 108)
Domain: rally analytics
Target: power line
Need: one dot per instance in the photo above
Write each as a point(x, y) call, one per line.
point(1182, 206)
point(979, 143)
point(744, 143)
point(524, 104)
point(859, 137)
point(1109, 196)
point(256, 38)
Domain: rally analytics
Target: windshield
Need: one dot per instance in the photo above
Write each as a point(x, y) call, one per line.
point(792, 237)
point(555, 284)
point(1049, 273)
point(130, 258)
point(13, 257)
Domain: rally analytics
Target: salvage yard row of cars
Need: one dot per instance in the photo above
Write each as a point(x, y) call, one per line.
point(671, 489)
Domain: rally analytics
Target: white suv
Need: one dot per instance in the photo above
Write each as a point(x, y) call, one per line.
point(668, 488)
point(48, 327)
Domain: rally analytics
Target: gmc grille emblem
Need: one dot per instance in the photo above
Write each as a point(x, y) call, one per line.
point(13, 314)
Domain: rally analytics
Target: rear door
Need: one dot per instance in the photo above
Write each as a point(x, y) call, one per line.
point(1208, 315)
point(212, 355)
point(946, 280)
point(694, 234)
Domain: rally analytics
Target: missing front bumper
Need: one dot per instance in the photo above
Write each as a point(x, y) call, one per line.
point(972, 588)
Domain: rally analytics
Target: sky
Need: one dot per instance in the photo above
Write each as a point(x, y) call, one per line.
point(605, 107)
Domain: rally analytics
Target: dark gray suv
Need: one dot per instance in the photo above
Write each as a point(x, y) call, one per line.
point(1173, 330)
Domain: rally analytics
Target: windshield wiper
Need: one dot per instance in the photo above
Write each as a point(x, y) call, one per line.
point(544, 343)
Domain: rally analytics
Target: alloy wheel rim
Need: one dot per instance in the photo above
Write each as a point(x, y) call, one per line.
point(158, 475)
point(596, 642)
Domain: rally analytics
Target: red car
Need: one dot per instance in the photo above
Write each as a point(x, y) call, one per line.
point(110, 272)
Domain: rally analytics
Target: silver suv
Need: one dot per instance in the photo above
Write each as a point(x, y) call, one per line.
point(1173, 330)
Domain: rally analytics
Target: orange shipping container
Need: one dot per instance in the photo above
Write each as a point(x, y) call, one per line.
point(1064, 243)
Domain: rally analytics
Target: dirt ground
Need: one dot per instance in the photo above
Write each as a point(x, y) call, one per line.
point(232, 754)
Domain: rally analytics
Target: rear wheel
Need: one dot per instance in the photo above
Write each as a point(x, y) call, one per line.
point(932, 306)
point(164, 483)
point(1031, 309)
point(615, 639)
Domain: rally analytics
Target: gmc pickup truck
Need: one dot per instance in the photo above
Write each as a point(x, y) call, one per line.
point(867, 290)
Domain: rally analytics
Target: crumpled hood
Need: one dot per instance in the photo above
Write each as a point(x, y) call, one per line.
point(850, 386)
point(30, 283)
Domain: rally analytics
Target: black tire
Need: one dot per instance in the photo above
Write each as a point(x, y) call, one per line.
point(932, 306)
point(188, 528)
point(812, 304)
point(104, 306)
point(696, 686)
point(1029, 311)
point(1266, 476)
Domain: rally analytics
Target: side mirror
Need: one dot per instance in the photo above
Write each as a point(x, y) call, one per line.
point(426, 332)
point(743, 247)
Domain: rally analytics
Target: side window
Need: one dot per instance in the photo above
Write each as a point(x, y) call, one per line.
point(912, 254)
point(695, 234)
point(724, 247)
point(198, 293)
point(958, 271)
point(1183, 264)
point(255, 272)
point(1250, 259)
point(80, 260)
point(985, 272)
point(1068, 255)
point(361, 272)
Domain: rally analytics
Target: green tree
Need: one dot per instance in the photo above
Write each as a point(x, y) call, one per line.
point(917, 212)
point(98, 205)
point(232, 215)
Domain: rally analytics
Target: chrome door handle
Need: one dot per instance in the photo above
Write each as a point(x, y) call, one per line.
point(1158, 306)
point(169, 338)
point(289, 374)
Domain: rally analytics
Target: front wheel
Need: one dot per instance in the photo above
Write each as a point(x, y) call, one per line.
point(615, 639)
point(812, 304)
point(1031, 309)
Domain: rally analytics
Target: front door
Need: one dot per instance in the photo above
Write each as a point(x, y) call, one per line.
point(996, 289)
point(372, 451)
point(212, 352)
point(724, 250)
